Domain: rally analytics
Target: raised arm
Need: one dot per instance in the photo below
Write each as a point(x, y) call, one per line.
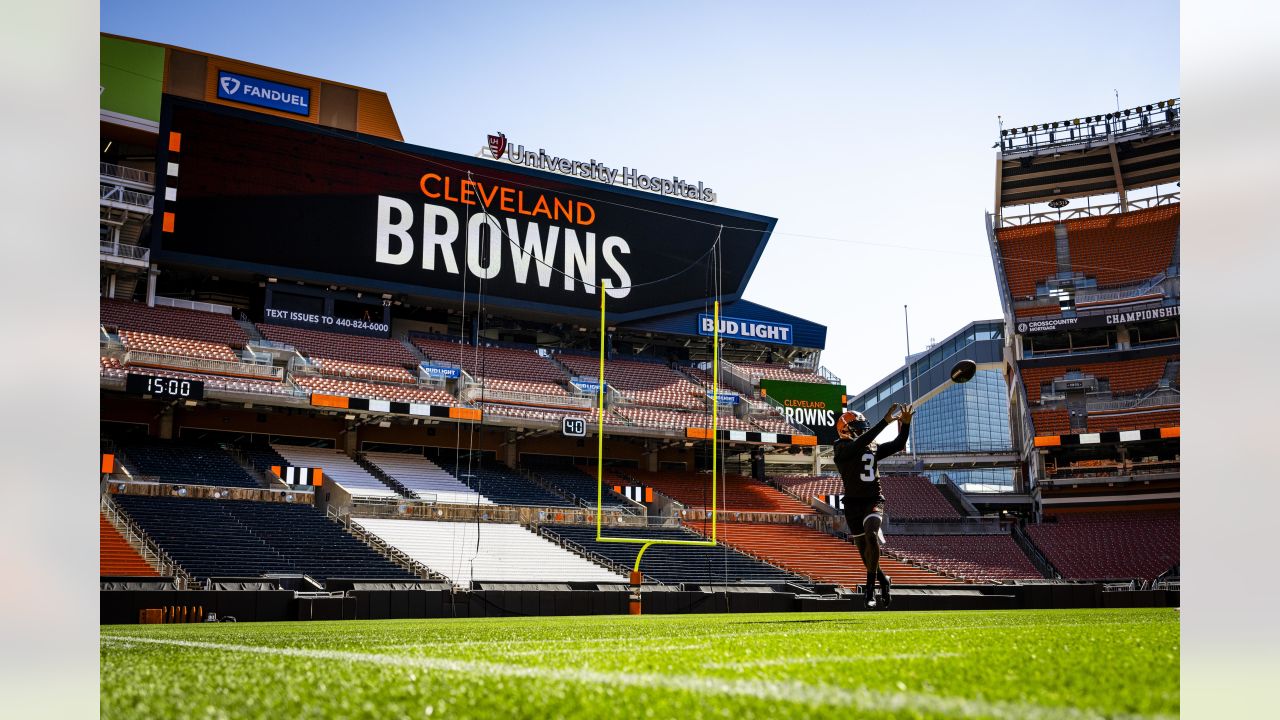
point(904, 431)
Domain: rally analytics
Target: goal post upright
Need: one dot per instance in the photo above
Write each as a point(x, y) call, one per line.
point(645, 543)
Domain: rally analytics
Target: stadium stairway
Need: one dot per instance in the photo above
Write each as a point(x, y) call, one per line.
point(823, 557)
point(116, 556)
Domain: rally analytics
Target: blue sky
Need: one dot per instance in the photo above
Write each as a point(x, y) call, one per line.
point(865, 128)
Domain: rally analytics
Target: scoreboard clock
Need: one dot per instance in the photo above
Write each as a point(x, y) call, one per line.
point(163, 387)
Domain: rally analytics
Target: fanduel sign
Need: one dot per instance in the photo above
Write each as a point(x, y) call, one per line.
point(740, 329)
point(264, 93)
point(500, 149)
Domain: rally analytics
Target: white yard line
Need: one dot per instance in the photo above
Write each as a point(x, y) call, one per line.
point(772, 691)
point(818, 660)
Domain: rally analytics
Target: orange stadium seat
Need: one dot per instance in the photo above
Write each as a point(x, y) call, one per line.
point(1110, 545)
point(739, 494)
point(1126, 248)
point(1134, 420)
point(500, 368)
point(1124, 376)
point(374, 391)
point(340, 346)
point(1054, 421)
point(1028, 256)
point(167, 345)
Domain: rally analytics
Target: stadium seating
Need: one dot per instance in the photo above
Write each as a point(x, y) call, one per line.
point(186, 464)
point(380, 373)
point(1028, 256)
point(340, 346)
point(1125, 377)
point(110, 367)
point(500, 552)
point(908, 497)
point(817, 555)
point(1110, 545)
point(680, 420)
point(375, 391)
point(262, 458)
point(502, 485)
point(736, 494)
point(1139, 420)
point(551, 415)
point(501, 368)
point(240, 538)
point(166, 345)
point(171, 322)
point(1053, 421)
point(1126, 248)
point(424, 478)
point(116, 556)
point(643, 383)
point(674, 564)
point(769, 371)
point(582, 484)
point(975, 558)
point(338, 469)
point(774, 425)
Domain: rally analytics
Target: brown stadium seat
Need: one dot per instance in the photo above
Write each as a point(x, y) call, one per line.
point(171, 322)
point(1126, 248)
point(1027, 253)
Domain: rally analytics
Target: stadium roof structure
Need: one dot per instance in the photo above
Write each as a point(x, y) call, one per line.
point(1110, 153)
point(803, 333)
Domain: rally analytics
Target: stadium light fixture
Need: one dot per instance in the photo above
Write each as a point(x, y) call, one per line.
point(272, 280)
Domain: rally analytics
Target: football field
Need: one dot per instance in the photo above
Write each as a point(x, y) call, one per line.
point(1002, 664)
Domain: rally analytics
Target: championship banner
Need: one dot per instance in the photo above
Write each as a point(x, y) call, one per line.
point(271, 196)
point(817, 406)
point(1120, 317)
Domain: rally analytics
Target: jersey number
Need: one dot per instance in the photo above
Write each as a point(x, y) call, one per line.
point(868, 467)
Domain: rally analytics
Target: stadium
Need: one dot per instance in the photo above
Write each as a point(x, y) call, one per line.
point(488, 408)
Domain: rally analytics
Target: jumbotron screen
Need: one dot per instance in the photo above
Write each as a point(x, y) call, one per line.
point(281, 197)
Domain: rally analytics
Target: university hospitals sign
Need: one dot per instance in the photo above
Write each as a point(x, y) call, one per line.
point(500, 149)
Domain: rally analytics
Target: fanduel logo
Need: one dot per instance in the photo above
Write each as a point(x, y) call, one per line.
point(264, 93)
point(230, 85)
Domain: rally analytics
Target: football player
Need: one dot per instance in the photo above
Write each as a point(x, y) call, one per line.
point(857, 455)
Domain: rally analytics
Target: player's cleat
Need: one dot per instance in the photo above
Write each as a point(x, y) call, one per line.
point(886, 583)
point(871, 597)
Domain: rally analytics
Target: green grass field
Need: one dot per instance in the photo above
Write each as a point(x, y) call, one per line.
point(1003, 664)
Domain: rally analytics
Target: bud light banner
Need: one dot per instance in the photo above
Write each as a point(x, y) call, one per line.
point(817, 406)
point(264, 93)
point(439, 372)
point(253, 195)
point(740, 329)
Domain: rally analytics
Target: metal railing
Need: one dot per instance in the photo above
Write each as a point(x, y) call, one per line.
point(1157, 398)
point(151, 552)
point(1162, 116)
point(478, 393)
point(155, 486)
point(126, 173)
point(204, 365)
point(594, 557)
point(124, 250)
point(194, 305)
point(118, 194)
point(1063, 214)
point(1148, 287)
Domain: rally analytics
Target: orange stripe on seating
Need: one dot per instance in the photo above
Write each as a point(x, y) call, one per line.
point(167, 223)
point(697, 433)
point(317, 477)
point(108, 463)
point(804, 440)
point(334, 401)
point(275, 469)
point(465, 414)
point(1048, 440)
point(175, 141)
point(617, 489)
point(648, 494)
point(1171, 432)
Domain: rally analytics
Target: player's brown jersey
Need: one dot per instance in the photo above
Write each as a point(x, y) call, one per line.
point(858, 461)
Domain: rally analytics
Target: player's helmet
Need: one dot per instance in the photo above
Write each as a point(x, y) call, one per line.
point(851, 424)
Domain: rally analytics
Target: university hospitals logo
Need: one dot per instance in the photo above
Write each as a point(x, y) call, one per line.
point(497, 145)
point(230, 85)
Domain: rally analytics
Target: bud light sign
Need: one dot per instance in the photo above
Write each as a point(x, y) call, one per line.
point(264, 93)
point(740, 329)
point(439, 372)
